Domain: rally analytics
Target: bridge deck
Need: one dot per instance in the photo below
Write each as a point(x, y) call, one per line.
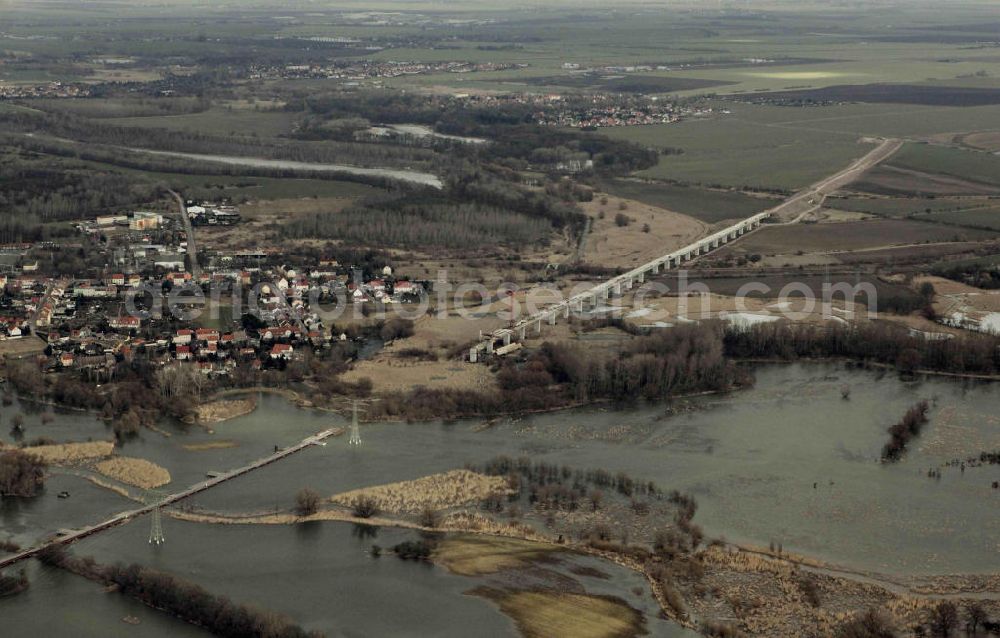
point(126, 516)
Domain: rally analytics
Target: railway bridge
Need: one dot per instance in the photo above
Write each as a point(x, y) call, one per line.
point(797, 206)
point(595, 296)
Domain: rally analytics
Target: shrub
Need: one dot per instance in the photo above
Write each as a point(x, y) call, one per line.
point(364, 507)
point(306, 502)
point(870, 624)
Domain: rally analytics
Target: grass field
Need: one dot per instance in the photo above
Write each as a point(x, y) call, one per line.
point(552, 614)
point(709, 206)
point(736, 153)
point(972, 165)
point(903, 206)
point(852, 236)
point(470, 555)
point(988, 217)
point(892, 120)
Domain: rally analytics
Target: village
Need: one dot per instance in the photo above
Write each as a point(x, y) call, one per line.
point(371, 69)
point(142, 295)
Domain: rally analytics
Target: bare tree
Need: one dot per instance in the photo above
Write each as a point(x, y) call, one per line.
point(306, 502)
point(977, 616)
point(944, 619)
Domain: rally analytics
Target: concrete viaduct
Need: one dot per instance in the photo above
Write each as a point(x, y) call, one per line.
point(601, 292)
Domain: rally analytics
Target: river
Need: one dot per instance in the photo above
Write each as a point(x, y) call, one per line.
point(403, 175)
point(788, 460)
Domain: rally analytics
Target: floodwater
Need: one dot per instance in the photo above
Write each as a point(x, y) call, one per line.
point(404, 175)
point(324, 576)
point(789, 460)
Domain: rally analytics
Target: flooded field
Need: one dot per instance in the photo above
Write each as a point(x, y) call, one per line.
point(789, 461)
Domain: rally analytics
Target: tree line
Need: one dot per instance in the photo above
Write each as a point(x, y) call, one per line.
point(879, 342)
point(184, 599)
point(902, 432)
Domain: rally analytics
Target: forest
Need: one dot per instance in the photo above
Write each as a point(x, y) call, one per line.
point(477, 208)
point(35, 192)
point(878, 342)
point(684, 360)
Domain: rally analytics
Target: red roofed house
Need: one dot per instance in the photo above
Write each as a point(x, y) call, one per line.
point(127, 322)
point(183, 337)
point(208, 335)
point(404, 288)
point(183, 352)
point(281, 351)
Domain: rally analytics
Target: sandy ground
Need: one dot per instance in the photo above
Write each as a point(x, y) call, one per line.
point(132, 471)
point(676, 310)
point(17, 348)
point(258, 215)
point(628, 246)
point(437, 491)
point(390, 375)
point(391, 372)
point(989, 141)
point(72, 452)
point(216, 411)
point(956, 301)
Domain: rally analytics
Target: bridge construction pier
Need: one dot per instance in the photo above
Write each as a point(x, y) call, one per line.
point(614, 287)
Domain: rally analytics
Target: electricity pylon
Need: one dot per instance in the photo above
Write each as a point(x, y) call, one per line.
point(156, 536)
point(355, 438)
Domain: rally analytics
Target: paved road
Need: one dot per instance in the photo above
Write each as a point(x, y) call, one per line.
point(128, 515)
point(192, 248)
point(799, 204)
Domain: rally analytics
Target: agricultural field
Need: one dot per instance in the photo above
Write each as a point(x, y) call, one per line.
point(974, 166)
point(986, 217)
point(730, 152)
point(414, 188)
point(860, 119)
point(906, 206)
point(923, 94)
point(852, 236)
point(709, 206)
